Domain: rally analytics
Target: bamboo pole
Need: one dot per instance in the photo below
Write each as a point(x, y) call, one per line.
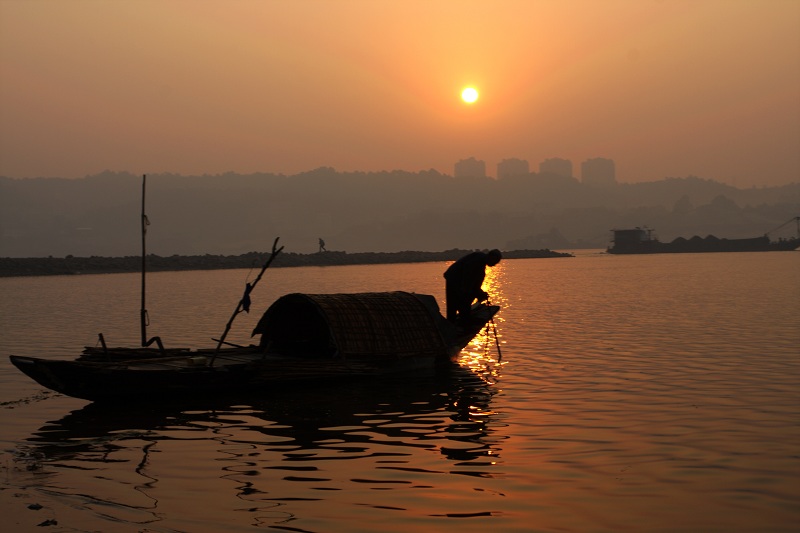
point(143, 311)
point(244, 301)
point(143, 316)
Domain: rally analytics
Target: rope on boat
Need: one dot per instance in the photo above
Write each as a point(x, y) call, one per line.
point(494, 331)
point(496, 340)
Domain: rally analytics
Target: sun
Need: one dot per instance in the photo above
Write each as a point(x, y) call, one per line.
point(469, 95)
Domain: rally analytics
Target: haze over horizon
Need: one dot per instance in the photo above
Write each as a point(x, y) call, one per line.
point(664, 88)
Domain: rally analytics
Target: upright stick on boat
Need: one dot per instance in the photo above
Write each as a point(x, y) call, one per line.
point(144, 317)
point(244, 303)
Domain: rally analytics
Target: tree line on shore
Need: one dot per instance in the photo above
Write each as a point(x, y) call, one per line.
point(69, 265)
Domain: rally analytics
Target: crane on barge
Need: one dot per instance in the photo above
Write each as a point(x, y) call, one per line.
point(793, 219)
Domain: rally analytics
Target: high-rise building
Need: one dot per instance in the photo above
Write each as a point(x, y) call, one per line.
point(512, 167)
point(470, 168)
point(598, 171)
point(557, 166)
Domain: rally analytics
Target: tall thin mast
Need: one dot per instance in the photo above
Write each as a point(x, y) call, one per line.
point(144, 317)
point(145, 222)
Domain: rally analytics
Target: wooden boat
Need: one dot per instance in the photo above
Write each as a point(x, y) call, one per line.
point(304, 338)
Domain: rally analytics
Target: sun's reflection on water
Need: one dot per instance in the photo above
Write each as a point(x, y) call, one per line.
point(483, 355)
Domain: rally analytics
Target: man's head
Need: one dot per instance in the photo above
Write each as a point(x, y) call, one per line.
point(494, 257)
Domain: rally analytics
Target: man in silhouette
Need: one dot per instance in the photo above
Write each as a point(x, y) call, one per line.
point(322, 245)
point(463, 280)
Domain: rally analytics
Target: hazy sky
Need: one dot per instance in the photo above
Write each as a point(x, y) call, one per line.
point(664, 87)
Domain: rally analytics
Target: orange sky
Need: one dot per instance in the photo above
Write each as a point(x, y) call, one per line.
point(664, 87)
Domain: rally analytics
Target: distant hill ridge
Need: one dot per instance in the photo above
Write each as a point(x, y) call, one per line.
point(231, 214)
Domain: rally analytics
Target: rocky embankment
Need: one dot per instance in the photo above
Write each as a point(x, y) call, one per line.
point(50, 266)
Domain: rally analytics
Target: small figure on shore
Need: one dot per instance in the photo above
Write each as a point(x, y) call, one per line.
point(463, 281)
point(322, 245)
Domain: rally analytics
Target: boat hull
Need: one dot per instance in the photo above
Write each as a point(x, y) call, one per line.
point(149, 375)
point(151, 379)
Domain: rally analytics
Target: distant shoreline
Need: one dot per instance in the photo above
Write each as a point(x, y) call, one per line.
point(70, 265)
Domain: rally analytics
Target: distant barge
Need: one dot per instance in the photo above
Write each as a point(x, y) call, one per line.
point(642, 241)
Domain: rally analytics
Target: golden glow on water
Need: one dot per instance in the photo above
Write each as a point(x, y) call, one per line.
point(483, 355)
point(633, 394)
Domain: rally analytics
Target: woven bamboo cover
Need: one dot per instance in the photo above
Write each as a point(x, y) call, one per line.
point(389, 324)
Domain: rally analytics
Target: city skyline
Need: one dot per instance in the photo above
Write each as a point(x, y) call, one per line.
point(667, 89)
point(598, 170)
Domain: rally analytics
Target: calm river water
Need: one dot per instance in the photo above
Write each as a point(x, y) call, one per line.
point(651, 393)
